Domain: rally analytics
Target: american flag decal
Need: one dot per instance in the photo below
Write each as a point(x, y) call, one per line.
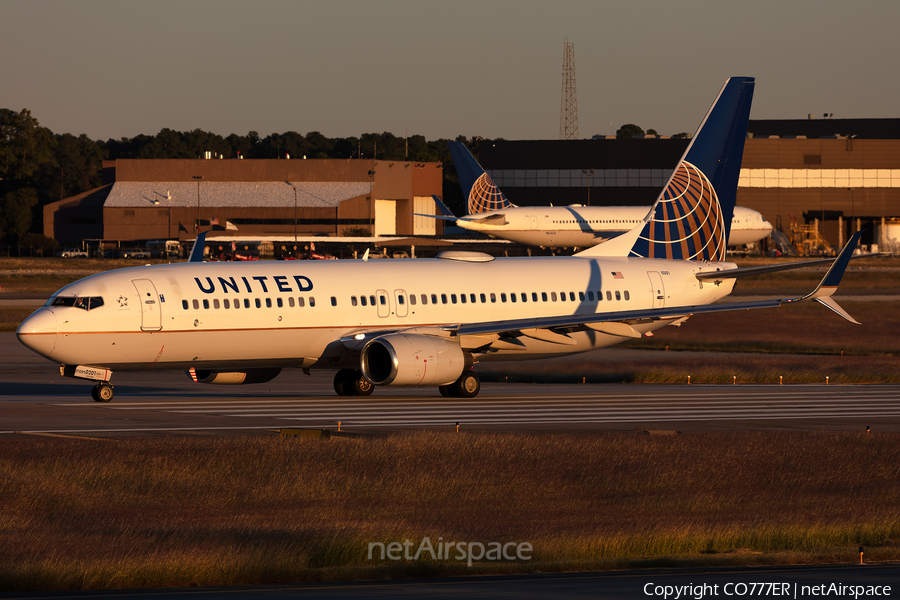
point(687, 221)
point(486, 196)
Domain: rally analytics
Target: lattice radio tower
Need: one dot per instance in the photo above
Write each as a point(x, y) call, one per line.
point(568, 115)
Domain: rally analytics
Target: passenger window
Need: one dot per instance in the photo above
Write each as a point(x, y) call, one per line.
point(572, 296)
point(483, 298)
point(268, 303)
point(237, 303)
point(553, 296)
point(279, 302)
point(352, 300)
point(443, 298)
point(362, 300)
point(216, 303)
point(524, 297)
point(627, 295)
point(544, 296)
point(512, 297)
point(502, 297)
point(472, 298)
point(334, 300)
point(453, 298)
point(400, 300)
point(424, 298)
point(412, 299)
point(206, 303)
point(534, 296)
point(301, 302)
point(462, 298)
point(434, 299)
point(312, 302)
point(291, 301)
point(590, 296)
point(609, 295)
point(493, 297)
point(226, 303)
point(195, 304)
point(562, 296)
point(247, 302)
point(258, 303)
point(184, 304)
point(382, 299)
point(581, 296)
point(618, 295)
point(372, 300)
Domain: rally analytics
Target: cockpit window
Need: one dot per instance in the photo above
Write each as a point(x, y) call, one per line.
point(82, 302)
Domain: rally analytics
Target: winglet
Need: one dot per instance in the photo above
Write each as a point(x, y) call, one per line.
point(442, 207)
point(199, 245)
point(829, 284)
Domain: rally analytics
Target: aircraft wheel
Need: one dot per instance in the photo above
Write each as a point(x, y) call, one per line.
point(342, 381)
point(467, 386)
point(359, 385)
point(102, 392)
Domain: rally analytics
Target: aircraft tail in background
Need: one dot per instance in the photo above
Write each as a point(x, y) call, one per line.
point(691, 219)
point(479, 190)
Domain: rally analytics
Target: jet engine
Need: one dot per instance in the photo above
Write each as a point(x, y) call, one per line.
point(234, 378)
point(412, 359)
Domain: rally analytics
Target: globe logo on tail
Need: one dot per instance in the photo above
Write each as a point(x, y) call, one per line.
point(687, 221)
point(486, 196)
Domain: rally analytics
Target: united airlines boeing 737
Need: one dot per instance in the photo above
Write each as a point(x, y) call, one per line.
point(573, 226)
point(420, 322)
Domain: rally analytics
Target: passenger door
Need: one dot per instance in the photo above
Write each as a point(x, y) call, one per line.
point(657, 290)
point(151, 311)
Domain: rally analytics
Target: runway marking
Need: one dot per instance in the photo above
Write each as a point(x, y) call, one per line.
point(720, 403)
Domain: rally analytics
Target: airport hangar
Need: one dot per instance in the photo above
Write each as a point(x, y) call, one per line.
point(174, 199)
point(833, 175)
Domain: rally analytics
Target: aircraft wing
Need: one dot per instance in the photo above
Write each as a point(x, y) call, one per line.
point(821, 294)
point(554, 329)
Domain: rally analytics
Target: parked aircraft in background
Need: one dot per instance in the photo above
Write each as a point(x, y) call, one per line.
point(573, 226)
point(421, 322)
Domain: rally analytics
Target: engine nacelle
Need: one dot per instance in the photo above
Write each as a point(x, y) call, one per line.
point(412, 359)
point(234, 378)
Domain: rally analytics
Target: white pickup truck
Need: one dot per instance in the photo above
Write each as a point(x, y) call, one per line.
point(72, 253)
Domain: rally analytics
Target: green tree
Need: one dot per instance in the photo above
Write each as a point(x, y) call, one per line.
point(24, 147)
point(16, 212)
point(626, 132)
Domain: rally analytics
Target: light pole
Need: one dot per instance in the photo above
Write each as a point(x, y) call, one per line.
point(198, 178)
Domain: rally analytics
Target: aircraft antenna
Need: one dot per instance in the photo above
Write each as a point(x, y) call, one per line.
point(568, 116)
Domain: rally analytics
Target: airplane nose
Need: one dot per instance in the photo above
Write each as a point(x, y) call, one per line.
point(38, 332)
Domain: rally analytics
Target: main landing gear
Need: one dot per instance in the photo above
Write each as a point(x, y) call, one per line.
point(350, 382)
point(102, 392)
point(467, 386)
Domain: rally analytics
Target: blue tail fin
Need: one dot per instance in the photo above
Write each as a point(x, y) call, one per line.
point(691, 219)
point(479, 190)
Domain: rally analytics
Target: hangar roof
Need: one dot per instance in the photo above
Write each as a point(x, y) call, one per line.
point(141, 194)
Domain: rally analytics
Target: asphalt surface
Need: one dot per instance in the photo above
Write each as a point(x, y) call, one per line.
point(34, 398)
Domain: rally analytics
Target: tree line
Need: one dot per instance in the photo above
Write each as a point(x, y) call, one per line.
point(38, 166)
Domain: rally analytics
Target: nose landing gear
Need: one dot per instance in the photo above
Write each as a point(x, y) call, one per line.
point(102, 392)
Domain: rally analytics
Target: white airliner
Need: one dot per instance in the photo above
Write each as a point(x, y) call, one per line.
point(420, 322)
point(573, 226)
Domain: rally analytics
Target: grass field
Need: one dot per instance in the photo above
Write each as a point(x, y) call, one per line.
point(81, 514)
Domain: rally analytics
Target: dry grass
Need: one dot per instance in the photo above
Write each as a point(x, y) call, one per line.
point(182, 511)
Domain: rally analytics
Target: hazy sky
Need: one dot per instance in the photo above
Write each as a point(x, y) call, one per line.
point(118, 68)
